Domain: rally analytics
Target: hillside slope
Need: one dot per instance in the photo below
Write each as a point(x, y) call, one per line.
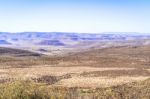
point(16, 52)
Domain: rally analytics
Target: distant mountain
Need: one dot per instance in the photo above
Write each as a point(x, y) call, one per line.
point(51, 42)
point(4, 42)
point(65, 39)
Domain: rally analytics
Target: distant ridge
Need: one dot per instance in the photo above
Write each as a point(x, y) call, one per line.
point(4, 42)
point(65, 38)
point(17, 52)
point(51, 42)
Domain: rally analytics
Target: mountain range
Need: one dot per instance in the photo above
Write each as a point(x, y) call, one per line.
point(62, 39)
point(61, 43)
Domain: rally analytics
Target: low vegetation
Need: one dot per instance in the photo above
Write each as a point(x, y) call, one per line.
point(31, 90)
point(123, 69)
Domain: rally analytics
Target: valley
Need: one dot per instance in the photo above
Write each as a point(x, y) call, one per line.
point(84, 65)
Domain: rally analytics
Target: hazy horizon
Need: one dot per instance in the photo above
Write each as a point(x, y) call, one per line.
point(134, 33)
point(81, 16)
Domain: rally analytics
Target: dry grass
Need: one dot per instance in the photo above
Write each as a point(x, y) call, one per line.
point(15, 90)
point(75, 76)
point(116, 73)
point(51, 75)
point(98, 82)
point(100, 69)
point(49, 70)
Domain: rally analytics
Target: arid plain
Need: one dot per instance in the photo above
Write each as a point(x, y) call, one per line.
point(94, 68)
point(74, 66)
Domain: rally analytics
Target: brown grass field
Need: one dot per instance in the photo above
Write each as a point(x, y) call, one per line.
point(109, 73)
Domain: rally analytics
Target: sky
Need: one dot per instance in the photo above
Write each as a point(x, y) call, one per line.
point(83, 16)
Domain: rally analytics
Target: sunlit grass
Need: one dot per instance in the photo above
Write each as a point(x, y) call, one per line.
point(31, 90)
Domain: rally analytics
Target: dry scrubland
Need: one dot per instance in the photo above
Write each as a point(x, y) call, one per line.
point(31, 90)
point(110, 73)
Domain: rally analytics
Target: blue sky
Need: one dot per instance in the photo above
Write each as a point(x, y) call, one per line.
point(90, 16)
